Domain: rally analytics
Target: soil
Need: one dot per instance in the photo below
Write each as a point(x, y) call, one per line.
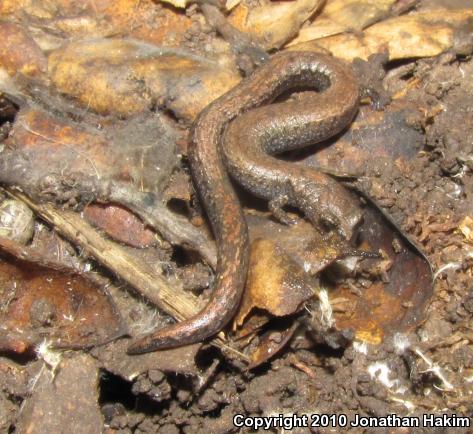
point(428, 193)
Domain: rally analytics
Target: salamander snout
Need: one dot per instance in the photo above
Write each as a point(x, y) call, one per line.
point(328, 205)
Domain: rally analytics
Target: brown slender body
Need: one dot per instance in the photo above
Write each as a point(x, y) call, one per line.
point(267, 129)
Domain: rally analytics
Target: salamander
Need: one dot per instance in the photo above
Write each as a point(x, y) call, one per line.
point(239, 133)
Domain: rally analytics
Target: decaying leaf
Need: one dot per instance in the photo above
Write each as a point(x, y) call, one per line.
point(51, 157)
point(466, 228)
point(275, 283)
point(146, 20)
point(181, 4)
point(39, 303)
point(375, 135)
point(340, 16)
point(281, 257)
point(19, 52)
point(124, 162)
point(179, 188)
point(302, 243)
point(120, 224)
point(421, 34)
point(126, 77)
point(273, 23)
point(53, 23)
point(270, 344)
point(400, 289)
point(400, 281)
point(38, 10)
point(46, 249)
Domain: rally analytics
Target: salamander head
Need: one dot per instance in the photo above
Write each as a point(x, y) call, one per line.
point(329, 205)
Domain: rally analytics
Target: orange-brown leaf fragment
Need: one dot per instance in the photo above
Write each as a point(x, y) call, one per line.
point(466, 228)
point(121, 224)
point(422, 34)
point(38, 303)
point(275, 283)
point(53, 157)
point(306, 246)
point(19, 53)
point(340, 16)
point(400, 290)
point(126, 77)
point(271, 343)
point(61, 20)
point(272, 24)
point(53, 146)
point(146, 20)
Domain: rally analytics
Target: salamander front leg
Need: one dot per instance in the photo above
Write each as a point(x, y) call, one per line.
point(276, 206)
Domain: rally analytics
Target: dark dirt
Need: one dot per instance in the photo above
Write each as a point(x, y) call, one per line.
point(68, 394)
point(425, 182)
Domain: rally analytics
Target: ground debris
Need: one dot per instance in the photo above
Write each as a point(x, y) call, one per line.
point(70, 395)
point(96, 101)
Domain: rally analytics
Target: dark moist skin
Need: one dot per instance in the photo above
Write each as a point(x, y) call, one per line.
point(268, 129)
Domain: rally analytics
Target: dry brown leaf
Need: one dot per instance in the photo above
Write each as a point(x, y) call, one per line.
point(422, 34)
point(375, 136)
point(400, 288)
point(270, 344)
point(36, 9)
point(273, 23)
point(180, 4)
point(126, 77)
point(53, 153)
point(147, 20)
point(339, 16)
point(39, 302)
point(230, 4)
point(306, 246)
point(466, 228)
point(19, 52)
point(144, 19)
point(120, 224)
point(275, 283)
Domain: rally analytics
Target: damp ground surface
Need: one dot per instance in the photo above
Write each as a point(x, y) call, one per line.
point(422, 178)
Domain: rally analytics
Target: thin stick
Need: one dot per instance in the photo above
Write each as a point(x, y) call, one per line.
point(151, 285)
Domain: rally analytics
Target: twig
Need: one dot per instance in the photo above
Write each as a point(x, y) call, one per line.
point(175, 229)
point(170, 297)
